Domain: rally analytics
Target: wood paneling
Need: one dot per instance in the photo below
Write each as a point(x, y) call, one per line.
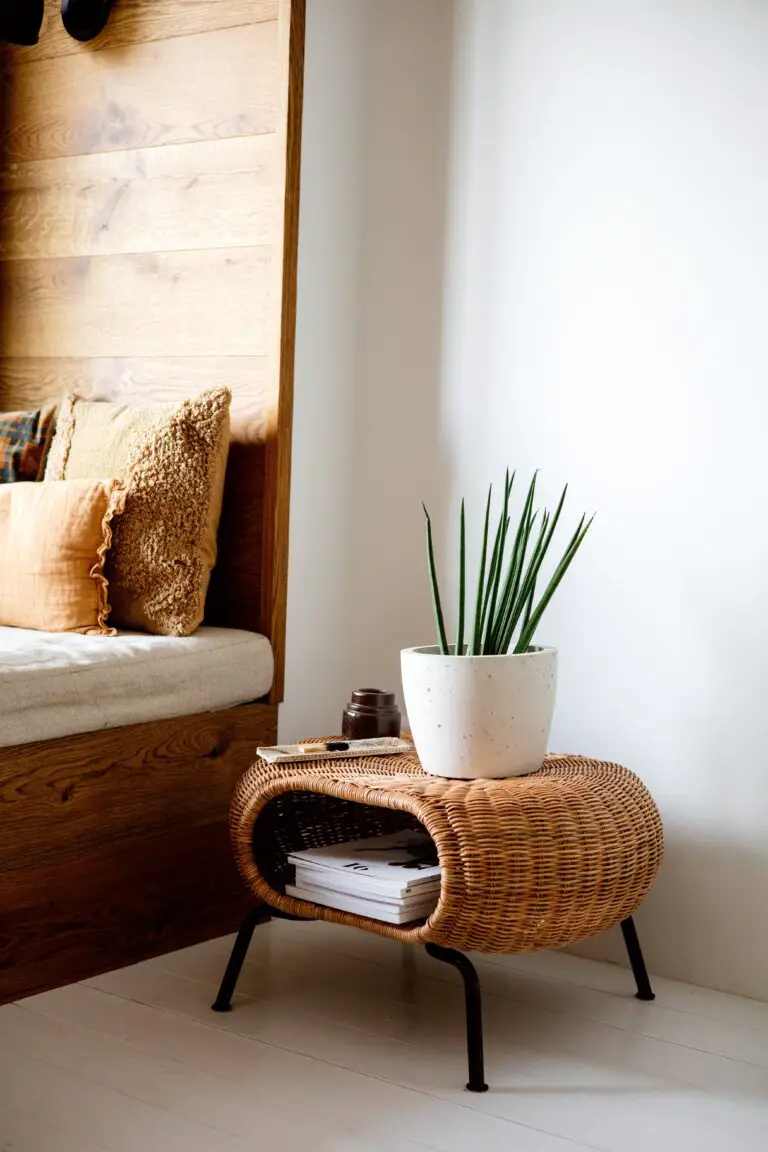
point(148, 234)
point(148, 242)
point(202, 87)
point(143, 304)
point(34, 380)
point(148, 200)
point(115, 844)
point(135, 21)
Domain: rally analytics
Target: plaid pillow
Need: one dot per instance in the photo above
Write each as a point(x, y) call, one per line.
point(24, 441)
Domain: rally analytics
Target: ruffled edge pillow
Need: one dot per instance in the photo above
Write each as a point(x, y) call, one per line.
point(54, 540)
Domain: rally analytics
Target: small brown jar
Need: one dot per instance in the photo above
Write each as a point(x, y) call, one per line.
point(370, 714)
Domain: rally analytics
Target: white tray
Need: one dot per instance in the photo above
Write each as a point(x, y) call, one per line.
point(295, 753)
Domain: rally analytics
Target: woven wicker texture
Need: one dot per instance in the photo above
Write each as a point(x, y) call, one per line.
point(529, 863)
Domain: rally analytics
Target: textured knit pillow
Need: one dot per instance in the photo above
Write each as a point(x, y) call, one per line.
point(24, 441)
point(172, 458)
point(53, 540)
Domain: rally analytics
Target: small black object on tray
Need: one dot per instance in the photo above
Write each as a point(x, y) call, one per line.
point(333, 750)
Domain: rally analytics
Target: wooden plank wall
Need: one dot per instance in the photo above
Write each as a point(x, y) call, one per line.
point(149, 187)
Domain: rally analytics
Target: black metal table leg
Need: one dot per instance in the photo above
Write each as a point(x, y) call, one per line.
point(639, 971)
point(474, 1008)
point(472, 995)
point(257, 915)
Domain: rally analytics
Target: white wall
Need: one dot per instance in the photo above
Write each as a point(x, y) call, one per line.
point(369, 347)
point(317, 658)
point(535, 233)
point(398, 454)
point(607, 296)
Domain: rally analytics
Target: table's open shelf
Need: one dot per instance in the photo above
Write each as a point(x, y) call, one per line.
point(293, 821)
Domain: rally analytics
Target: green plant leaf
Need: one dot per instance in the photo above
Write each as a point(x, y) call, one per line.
point(436, 605)
point(478, 621)
point(527, 576)
point(514, 572)
point(527, 634)
point(462, 583)
point(531, 576)
point(494, 580)
point(495, 560)
point(529, 606)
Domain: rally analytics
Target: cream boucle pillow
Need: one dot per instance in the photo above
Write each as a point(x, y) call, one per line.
point(172, 458)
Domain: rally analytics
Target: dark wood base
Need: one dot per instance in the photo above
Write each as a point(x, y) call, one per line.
point(114, 846)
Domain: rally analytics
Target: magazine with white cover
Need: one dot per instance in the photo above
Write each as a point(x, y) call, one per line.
point(329, 881)
point(377, 910)
point(314, 875)
point(399, 860)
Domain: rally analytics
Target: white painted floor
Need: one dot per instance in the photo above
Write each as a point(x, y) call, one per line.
point(342, 1042)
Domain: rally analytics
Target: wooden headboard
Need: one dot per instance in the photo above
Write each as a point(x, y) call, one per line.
point(148, 237)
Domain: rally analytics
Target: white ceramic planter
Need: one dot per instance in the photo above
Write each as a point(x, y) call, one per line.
point(480, 717)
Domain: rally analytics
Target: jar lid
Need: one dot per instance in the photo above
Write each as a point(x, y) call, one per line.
point(373, 698)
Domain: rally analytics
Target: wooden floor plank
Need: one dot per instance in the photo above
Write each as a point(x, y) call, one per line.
point(571, 1078)
point(259, 1080)
point(86, 1110)
point(706, 1003)
point(279, 955)
point(369, 1036)
point(294, 1000)
point(20, 1132)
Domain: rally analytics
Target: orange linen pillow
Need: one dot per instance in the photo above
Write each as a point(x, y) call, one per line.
point(53, 541)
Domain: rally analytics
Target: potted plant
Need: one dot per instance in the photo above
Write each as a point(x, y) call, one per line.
point(482, 706)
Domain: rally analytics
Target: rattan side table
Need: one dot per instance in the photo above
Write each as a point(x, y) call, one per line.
point(529, 863)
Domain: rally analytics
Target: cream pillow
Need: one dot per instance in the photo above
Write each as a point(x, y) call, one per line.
point(53, 540)
point(172, 458)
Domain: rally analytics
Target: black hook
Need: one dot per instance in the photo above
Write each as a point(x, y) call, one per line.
point(21, 21)
point(84, 19)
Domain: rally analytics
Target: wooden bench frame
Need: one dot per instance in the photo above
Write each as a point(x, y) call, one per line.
point(114, 845)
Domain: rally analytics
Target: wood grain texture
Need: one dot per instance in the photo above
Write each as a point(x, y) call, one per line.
point(344, 1042)
point(215, 194)
point(202, 87)
point(121, 786)
point(29, 381)
point(115, 844)
point(203, 303)
point(116, 907)
point(148, 244)
point(148, 250)
point(292, 27)
point(136, 21)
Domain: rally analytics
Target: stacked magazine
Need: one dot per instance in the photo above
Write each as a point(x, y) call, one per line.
point(395, 877)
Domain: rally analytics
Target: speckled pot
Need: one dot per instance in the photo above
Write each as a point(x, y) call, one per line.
point(479, 717)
